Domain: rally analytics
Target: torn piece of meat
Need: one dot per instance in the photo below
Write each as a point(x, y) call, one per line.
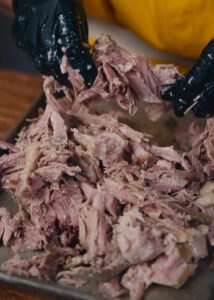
point(171, 269)
point(169, 154)
point(205, 201)
point(93, 226)
point(124, 76)
point(166, 73)
point(112, 289)
point(7, 146)
point(135, 233)
point(107, 147)
point(202, 153)
point(5, 230)
point(39, 266)
point(18, 231)
point(99, 197)
point(69, 281)
point(165, 181)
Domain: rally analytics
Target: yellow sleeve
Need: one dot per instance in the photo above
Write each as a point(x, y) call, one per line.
point(181, 27)
point(99, 8)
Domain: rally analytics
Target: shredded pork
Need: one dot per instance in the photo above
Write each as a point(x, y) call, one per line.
point(100, 197)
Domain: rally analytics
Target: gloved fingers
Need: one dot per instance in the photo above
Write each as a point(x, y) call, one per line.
point(26, 34)
point(61, 78)
point(77, 16)
point(82, 61)
point(201, 71)
point(46, 30)
point(49, 63)
point(19, 36)
point(69, 31)
point(181, 107)
point(205, 102)
point(201, 103)
point(83, 22)
point(171, 90)
point(184, 101)
point(55, 71)
point(195, 78)
point(21, 40)
point(72, 45)
point(18, 4)
point(84, 26)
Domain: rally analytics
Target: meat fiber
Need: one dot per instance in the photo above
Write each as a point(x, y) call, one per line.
point(124, 76)
point(100, 197)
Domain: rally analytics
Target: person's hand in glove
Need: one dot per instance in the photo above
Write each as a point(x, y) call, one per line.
point(48, 29)
point(196, 90)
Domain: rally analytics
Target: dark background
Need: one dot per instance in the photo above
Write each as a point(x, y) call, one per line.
point(10, 56)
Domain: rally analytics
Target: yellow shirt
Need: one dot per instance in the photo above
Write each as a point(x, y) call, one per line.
point(181, 27)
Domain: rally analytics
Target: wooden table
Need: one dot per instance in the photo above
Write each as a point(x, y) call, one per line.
point(17, 91)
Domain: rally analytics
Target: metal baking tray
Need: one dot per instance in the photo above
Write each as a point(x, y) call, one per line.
point(198, 287)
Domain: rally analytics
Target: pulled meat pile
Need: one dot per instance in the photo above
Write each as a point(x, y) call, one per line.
point(100, 197)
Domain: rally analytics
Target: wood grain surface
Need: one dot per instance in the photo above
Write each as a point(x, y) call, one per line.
point(17, 91)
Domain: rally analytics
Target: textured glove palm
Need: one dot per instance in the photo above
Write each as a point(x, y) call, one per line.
point(48, 29)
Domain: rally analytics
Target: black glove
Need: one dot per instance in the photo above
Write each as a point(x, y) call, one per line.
point(48, 29)
point(196, 90)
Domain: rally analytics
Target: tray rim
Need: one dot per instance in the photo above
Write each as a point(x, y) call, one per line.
point(44, 289)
